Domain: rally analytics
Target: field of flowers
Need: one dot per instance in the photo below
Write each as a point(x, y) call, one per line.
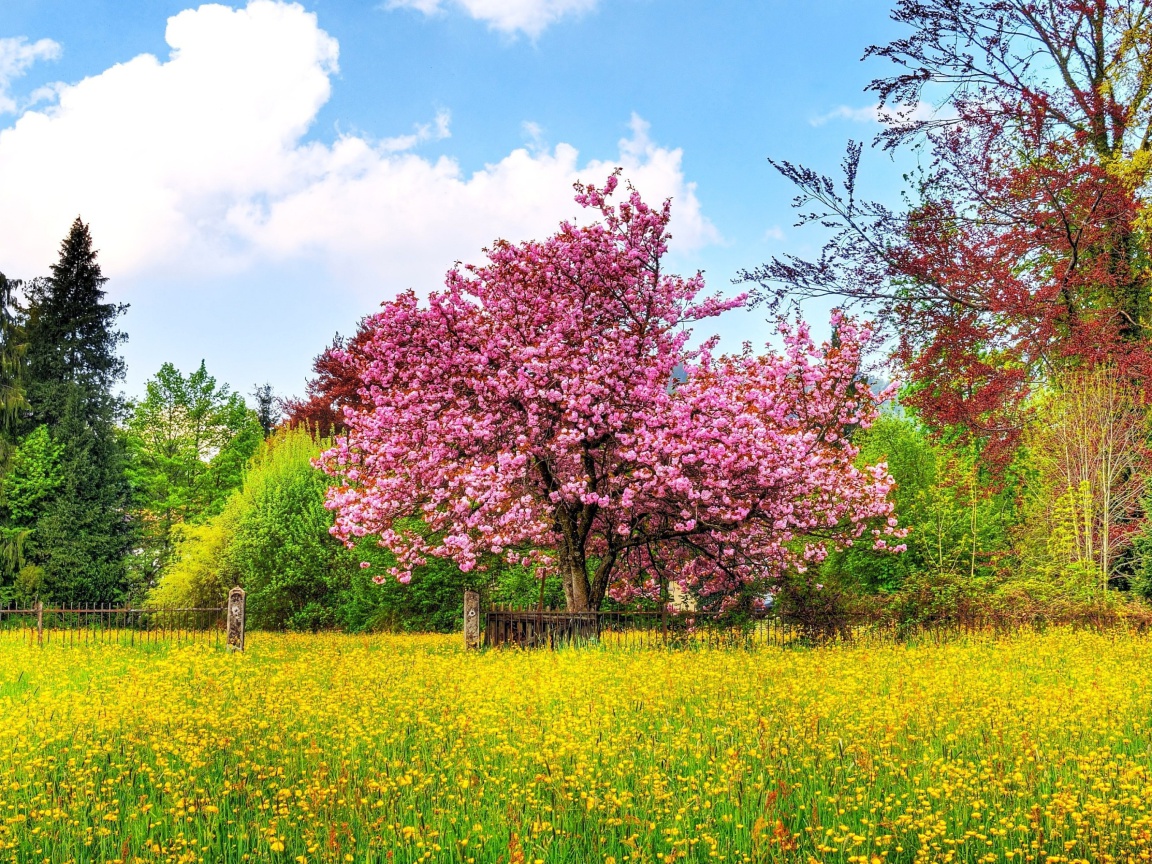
point(404, 749)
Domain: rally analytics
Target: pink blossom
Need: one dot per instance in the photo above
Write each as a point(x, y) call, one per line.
point(546, 407)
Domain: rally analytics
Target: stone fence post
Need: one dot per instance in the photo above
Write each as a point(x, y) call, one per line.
point(236, 619)
point(471, 619)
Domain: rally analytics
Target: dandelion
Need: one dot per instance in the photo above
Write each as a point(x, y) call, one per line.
point(332, 748)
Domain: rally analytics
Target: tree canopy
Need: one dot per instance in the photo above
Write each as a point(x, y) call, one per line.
point(82, 533)
point(1023, 249)
point(546, 408)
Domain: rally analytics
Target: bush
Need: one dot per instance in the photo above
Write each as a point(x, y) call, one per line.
point(272, 539)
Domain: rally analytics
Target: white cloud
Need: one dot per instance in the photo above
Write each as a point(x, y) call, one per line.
point(197, 167)
point(437, 130)
point(878, 114)
point(774, 233)
point(16, 56)
point(507, 16)
point(533, 134)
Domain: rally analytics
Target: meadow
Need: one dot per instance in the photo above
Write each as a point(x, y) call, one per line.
point(335, 748)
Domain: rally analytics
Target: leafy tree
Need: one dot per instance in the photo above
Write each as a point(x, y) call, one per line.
point(958, 522)
point(12, 357)
point(1090, 460)
point(189, 441)
point(533, 411)
point(12, 403)
point(83, 536)
point(199, 573)
point(33, 476)
point(1023, 248)
point(282, 551)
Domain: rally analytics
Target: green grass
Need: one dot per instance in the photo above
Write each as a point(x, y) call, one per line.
point(403, 749)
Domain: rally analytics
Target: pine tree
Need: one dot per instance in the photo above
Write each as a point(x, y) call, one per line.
point(84, 533)
point(266, 410)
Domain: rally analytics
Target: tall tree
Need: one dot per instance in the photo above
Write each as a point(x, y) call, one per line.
point(1090, 461)
point(546, 408)
point(82, 537)
point(1023, 250)
point(266, 411)
point(189, 441)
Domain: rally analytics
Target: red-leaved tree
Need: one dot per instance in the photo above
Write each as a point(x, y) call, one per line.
point(334, 387)
point(546, 408)
point(1023, 251)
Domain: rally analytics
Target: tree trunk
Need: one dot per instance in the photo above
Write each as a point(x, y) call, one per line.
point(574, 573)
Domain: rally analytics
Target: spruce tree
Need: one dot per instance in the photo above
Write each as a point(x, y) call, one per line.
point(266, 410)
point(83, 533)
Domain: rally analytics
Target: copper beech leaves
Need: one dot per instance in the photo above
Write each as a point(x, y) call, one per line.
point(1021, 251)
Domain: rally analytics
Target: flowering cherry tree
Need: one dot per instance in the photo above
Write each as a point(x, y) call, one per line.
point(546, 408)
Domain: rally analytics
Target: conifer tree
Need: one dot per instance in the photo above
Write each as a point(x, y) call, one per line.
point(266, 410)
point(84, 532)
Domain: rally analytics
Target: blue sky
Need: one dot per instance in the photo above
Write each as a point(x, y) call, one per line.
point(272, 171)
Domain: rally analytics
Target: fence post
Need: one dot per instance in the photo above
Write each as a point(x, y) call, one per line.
point(39, 622)
point(236, 619)
point(471, 619)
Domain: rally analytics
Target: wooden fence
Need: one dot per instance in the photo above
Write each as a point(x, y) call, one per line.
point(41, 624)
point(502, 625)
point(530, 628)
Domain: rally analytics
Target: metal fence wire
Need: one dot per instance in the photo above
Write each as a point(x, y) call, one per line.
point(76, 625)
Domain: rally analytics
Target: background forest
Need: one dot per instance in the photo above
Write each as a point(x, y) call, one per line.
point(1013, 289)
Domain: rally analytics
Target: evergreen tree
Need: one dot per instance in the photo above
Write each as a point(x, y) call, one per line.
point(84, 532)
point(266, 410)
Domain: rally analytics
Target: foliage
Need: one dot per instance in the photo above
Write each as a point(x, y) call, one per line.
point(334, 387)
point(282, 551)
point(12, 357)
point(619, 461)
point(1023, 247)
point(189, 441)
point(267, 413)
point(273, 538)
point(12, 403)
point(33, 477)
point(385, 748)
point(199, 573)
point(83, 536)
point(27, 488)
point(1089, 459)
point(958, 522)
